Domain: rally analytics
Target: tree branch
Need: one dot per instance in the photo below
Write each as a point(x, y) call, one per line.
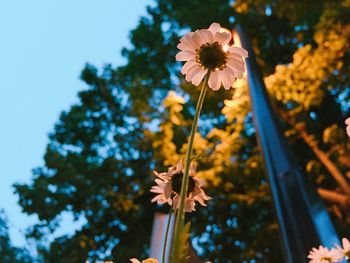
point(322, 156)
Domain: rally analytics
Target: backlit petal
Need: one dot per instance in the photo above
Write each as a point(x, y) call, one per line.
point(214, 83)
point(185, 55)
point(196, 79)
point(238, 69)
point(187, 66)
point(206, 35)
point(240, 51)
point(190, 71)
point(184, 47)
point(225, 78)
point(197, 39)
point(223, 38)
point(214, 28)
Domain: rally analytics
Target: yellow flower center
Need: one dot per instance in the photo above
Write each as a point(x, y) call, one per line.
point(327, 259)
point(211, 56)
point(177, 181)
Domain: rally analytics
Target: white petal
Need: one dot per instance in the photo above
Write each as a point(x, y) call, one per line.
point(231, 71)
point(160, 199)
point(160, 183)
point(238, 60)
point(185, 55)
point(347, 121)
point(222, 78)
point(235, 56)
point(206, 35)
point(196, 191)
point(223, 38)
point(197, 39)
point(200, 199)
point(240, 51)
point(238, 69)
point(134, 260)
point(187, 66)
point(184, 47)
point(235, 66)
point(191, 72)
point(199, 181)
point(214, 83)
point(225, 78)
point(206, 197)
point(196, 79)
point(189, 205)
point(157, 190)
point(187, 40)
point(214, 28)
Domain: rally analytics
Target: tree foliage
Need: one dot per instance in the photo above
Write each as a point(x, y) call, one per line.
point(99, 161)
point(8, 252)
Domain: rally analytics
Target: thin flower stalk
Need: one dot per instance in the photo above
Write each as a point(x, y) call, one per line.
point(180, 218)
point(167, 234)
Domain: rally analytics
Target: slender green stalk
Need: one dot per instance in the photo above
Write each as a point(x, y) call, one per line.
point(167, 233)
point(180, 217)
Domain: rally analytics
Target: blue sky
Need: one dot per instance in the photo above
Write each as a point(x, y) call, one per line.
point(44, 46)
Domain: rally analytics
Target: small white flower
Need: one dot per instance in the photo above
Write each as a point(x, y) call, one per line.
point(347, 122)
point(324, 255)
point(346, 248)
point(149, 260)
point(209, 50)
point(168, 188)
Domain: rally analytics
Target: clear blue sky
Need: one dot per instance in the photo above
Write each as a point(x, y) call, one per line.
point(44, 44)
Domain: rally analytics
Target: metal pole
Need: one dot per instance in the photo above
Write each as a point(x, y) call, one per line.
point(303, 220)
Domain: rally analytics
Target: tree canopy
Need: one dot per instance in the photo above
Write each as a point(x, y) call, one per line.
point(8, 252)
point(135, 118)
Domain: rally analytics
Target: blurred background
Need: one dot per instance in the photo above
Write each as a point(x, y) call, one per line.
point(87, 115)
point(44, 47)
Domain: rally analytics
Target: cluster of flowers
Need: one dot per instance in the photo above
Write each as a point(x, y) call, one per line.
point(334, 255)
point(212, 60)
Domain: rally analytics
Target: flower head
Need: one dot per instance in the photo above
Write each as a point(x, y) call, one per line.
point(325, 255)
point(347, 122)
point(208, 50)
point(148, 260)
point(168, 188)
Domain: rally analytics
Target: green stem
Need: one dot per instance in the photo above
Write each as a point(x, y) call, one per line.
point(167, 233)
point(180, 217)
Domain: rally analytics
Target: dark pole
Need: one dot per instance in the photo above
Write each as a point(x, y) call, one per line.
point(303, 220)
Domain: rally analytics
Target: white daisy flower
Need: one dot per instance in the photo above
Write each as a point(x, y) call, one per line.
point(168, 188)
point(347, 122)
point(149, 260)
point(324, 255)
point(346, 245)
point(209, 50)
